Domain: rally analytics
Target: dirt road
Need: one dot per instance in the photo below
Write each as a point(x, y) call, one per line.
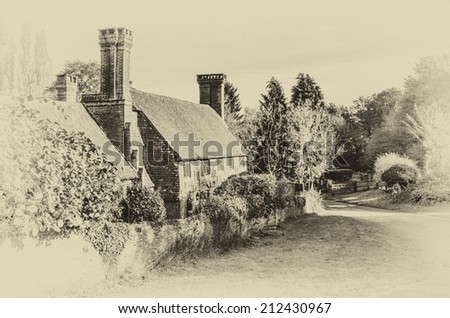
point(347, 251)
point(422, 241)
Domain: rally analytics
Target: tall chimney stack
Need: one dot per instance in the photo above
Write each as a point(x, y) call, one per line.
point(115, 49)
point(212, 91)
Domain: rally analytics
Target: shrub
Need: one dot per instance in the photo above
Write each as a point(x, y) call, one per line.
point(387, 160)
point(339, 175)
point(108, 239)
point(227, 216)
point(56, 180)
point(244, 184)
point(154, 245)
point(284, 194)
point(258, 190)
point(402, 175)
point(142, 204)
point(430, 193)
point(313, 201)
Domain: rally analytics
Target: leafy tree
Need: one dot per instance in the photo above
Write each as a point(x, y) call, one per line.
point(233, 110)
point(42, 64)
point(314, 139)
point(366, 122)
point(306, 92)
point(88, 74)
point(430, 81)
point(430, 125)
point(27, 71)
point(272, 132)
point(25, 62)
point(373, 110)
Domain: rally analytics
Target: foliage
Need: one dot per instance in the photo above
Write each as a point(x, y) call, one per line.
point(430, 126)
point(340, 175)
point(142, 204)
point(365, 132)
point(259, 191)
point(87, 73)
point(284, 194)
point(107, 238)
point(400, 174)
point(272, 131)
point(314, 141)
point(246, 133)
point(390, 139)
point(232, 104)
point(155, 245)
point(24, 70)
point(54, 179)
point(227, 215)
point(386, 161)
point(428, 83)
point(307, 93)
point(430, 193)
point(279, 135)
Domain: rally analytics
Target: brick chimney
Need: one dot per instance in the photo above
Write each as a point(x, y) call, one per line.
point(212, 91)
point(115, 49)
point(67, 88)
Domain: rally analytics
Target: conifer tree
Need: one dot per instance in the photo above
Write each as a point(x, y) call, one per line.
point(272, 133)
point(233, 114)
point(306, 92)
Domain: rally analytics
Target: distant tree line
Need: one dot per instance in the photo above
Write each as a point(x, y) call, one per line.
point(25, 66)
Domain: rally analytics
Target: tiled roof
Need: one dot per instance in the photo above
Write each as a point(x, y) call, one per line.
point(172, 116)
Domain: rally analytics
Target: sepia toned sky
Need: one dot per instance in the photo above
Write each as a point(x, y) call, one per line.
point(351, 47)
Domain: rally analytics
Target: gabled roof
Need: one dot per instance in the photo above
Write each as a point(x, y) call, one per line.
point(171, 116)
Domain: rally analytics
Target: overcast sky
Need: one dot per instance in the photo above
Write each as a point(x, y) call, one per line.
point(351, 48)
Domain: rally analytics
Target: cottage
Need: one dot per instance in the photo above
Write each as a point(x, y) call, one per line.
point(183, 147)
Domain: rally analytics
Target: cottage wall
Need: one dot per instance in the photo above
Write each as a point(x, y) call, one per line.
point(194, 180)
point(160, 161)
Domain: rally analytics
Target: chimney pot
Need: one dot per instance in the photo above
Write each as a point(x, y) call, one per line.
point(67, 88)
